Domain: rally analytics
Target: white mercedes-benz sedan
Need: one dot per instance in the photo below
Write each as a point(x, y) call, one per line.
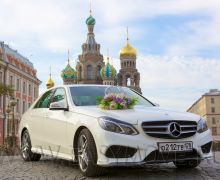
point(65, 122)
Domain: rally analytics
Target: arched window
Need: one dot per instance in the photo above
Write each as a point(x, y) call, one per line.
point(80, 72)
point(89, 72)
point(128, 80)
point(98, 71)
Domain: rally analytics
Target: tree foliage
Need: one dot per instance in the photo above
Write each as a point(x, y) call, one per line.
point(6, 90)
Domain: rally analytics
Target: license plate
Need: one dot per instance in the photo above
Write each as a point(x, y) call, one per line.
point(175, 146)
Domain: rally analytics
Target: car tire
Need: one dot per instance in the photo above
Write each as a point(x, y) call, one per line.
point(87, 155)
point(26, 152)
point(187, 163)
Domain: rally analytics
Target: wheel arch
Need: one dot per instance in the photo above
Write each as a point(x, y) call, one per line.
point(76, 135)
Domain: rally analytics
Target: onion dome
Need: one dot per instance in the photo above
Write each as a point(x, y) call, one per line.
point(90, 20)
point(68, 73)
point(128, 51)
point(49, 83)
point(108, 71)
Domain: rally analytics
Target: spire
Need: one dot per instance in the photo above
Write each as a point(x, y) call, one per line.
point(90, 8)
point(107, 55)
point(127, 34)
point(68, 57)
point(49, 82)
point(50, 72)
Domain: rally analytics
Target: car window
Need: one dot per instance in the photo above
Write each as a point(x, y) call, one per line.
point(59, 95)
point(44, 101)
point(87, 95)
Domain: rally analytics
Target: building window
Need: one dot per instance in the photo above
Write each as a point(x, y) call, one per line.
point(213, 100)
point(98, 72)
point(18, 85)
point(214, 130)
point(29, 105)
point(23, 107)
point(18, 106)
point(213, 110)
point(1, 76)
point(24, 87)
point(29, 90)
point(35, 92)
point(0, 101)
point(11, 81)
point(89, 72)
point(213, 121)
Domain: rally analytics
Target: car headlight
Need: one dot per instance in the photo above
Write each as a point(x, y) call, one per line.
point(114, 125)
point(201, 126)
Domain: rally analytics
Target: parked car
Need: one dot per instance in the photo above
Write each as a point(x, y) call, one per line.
point(66, 122)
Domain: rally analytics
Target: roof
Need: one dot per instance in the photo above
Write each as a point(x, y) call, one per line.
point(15, 53)
point(212, 92)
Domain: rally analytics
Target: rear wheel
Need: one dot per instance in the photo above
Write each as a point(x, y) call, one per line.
point(26, 152)
point(187, 163)
point(87, 154)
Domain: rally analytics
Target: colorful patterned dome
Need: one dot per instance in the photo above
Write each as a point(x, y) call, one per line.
point(68, 74)
point(90, 20)
point(108, 72)
point(128, 51)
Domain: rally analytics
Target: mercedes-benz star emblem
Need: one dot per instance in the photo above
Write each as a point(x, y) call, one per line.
point(174, 129)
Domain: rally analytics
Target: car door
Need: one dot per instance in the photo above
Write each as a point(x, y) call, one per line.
point(55, 125)
point(37, 118)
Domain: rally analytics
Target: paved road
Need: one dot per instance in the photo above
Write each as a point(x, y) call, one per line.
point(48, 168)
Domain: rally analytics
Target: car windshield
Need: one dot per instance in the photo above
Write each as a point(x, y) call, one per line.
point(87, 95)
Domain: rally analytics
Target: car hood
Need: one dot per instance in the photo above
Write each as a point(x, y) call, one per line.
point(138, 114)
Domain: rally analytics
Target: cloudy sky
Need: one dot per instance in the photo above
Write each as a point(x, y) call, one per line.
point(178, 41)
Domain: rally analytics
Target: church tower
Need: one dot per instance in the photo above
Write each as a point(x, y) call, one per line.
point(128, 74)
point(91, 60)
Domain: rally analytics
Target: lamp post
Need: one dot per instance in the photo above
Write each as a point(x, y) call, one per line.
point(13, 103)
point(8, 110)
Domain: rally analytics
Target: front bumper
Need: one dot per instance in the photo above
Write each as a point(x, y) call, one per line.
point(145, 146)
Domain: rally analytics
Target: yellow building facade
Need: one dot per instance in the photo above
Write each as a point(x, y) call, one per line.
point(208, 106)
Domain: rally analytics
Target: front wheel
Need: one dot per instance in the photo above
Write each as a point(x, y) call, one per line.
point(187, 163)
point(26, 152)
point(87, 154)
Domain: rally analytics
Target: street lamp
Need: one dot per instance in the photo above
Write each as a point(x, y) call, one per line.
point(8, 110)
point(13, 103)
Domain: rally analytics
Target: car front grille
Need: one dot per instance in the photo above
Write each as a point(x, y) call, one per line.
point(162, 129)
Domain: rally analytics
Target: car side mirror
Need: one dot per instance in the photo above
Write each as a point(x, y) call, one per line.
point(156, 104)
point(61, 105)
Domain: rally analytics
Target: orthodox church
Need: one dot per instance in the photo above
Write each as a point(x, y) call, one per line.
point(91, 68)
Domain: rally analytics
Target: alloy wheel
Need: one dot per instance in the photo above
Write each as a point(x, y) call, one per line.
point(25, 147)
point(82, 153)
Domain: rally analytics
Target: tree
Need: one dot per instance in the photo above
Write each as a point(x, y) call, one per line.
point(6, 90)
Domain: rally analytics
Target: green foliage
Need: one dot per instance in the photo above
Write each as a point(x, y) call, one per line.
point(6, 90)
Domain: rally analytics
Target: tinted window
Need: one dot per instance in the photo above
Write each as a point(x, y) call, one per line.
point(44, 101)
point(59, 95)
point(87, 95)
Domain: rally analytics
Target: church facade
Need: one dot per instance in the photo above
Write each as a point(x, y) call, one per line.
point(91, 68)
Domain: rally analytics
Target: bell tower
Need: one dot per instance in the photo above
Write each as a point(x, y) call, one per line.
point(91, 60)
point(128, 74)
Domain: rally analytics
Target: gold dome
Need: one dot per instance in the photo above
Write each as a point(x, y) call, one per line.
point(49, 83)
point(128, 51)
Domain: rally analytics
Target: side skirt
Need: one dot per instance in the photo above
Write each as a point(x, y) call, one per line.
point(53, 154)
